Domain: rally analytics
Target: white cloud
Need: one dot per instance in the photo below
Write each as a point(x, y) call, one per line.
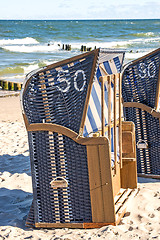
point(127, 11)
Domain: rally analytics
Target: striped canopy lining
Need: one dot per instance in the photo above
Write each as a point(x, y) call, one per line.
point(110, 63)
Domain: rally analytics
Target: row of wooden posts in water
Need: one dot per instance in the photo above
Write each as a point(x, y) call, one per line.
point(68, 47)
point(12, 86)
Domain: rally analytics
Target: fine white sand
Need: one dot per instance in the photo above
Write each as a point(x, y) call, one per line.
point(142, 220)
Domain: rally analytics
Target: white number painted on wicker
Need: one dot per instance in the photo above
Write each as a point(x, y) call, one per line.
point(64, 77)
point(142, 70)
point(147, 70)
point(75, 80)
point(150, 67)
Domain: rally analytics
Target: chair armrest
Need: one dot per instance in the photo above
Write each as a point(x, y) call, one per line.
point(67, 132)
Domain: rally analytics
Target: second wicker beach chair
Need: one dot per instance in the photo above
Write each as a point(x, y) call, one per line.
point(140, 89)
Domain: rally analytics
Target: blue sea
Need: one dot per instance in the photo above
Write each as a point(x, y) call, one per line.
point(26, 45)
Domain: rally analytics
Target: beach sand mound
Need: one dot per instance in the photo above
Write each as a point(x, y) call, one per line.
point(141, 221)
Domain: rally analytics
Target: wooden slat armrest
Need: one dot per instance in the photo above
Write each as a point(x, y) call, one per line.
point(142, 106)
point(67, 132)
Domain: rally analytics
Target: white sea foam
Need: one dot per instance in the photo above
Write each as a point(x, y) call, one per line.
point(14, 78)
point(141, 40)
point(97, 44)
point(30, 68)
point(18, 41)
point(134, 55)
point(29, 46)
point(33, 48)
point(19, 77)
point(114, 44)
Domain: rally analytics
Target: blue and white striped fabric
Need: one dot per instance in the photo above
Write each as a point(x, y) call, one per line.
point(108, 63)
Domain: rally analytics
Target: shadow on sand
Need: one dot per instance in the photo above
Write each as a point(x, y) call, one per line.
point(14, 207)
point(15, 164)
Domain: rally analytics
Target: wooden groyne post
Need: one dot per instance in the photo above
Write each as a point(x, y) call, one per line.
point(12, 86)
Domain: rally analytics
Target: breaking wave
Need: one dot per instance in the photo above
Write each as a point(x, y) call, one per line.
point(18, 41)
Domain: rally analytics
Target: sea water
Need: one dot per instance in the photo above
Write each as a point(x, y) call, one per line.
point(26, 45)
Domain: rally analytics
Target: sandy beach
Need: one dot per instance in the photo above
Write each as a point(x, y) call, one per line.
point(141, 221)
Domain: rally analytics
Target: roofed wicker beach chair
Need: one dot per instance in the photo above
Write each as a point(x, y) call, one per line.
point(140, 89)
point(83, 159)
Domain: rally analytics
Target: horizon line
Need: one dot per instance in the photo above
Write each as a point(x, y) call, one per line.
point(97, 19)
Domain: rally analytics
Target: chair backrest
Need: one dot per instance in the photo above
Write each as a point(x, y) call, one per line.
point(141, 78)
point(57, 93)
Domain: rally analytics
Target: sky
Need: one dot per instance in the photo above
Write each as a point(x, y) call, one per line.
point(80, 9)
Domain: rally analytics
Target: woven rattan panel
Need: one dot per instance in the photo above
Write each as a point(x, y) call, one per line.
point(30, 218)
point(58, 95)
point(53, 155)
point(147, 128)
point(139, 83)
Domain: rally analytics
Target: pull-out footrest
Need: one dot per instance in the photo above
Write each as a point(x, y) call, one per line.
point(122, 200)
